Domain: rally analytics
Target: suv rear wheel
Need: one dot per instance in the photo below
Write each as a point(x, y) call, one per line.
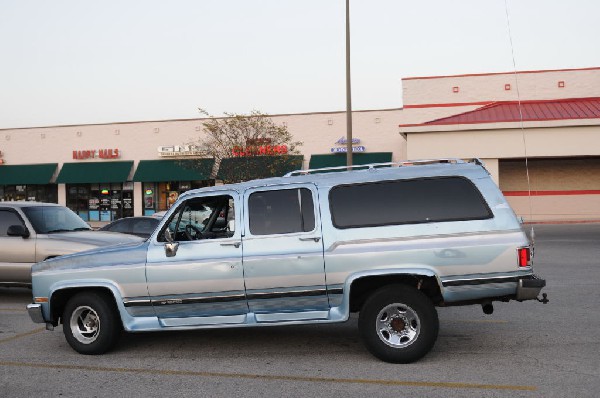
point(398, 324)
point(90, 323)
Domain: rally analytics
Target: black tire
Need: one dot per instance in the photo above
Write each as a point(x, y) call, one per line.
point(91, 323)
point(398, 324)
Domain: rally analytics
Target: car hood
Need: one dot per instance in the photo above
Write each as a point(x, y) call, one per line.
point(129, 253)
point(93, 238)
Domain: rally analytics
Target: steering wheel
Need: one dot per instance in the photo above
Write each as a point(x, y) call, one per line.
point(192, 232)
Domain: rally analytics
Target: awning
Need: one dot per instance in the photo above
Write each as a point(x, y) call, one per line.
point(173, 170)
point(252, 167)
point(94, 172)
point(27, 174)
point(339, 159)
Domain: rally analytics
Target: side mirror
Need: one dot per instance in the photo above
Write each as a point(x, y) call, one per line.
point(170, 247)
point(231, 225)
point(18, 230)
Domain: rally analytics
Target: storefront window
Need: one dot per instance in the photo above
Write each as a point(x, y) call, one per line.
point(39, 193)
point(160, 196)
point(101, 202)
point(150, 198)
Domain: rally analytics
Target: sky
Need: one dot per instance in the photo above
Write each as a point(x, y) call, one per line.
point(68, 62)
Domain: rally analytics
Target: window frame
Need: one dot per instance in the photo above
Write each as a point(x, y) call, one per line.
point(314, 195)
point(176, 217)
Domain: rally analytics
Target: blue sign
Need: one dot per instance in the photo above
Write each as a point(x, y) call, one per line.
point(344, 149)
point(344, 141)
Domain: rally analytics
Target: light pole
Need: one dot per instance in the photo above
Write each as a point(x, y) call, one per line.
point(348, 91)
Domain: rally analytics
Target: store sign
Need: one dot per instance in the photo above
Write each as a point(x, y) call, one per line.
point(97, 154)
point(259, 146)
point(179, 150)
point(239, 151)
point(344, 141)
point(94, 203)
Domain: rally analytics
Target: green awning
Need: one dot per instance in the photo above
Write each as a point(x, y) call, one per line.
point(174, 170)
point(27, 174)
point(252, 167)
point(94, 172)
point(339, 159)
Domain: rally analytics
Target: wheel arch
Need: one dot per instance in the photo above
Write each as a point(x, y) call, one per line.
point(60, 295)
point(360, 286)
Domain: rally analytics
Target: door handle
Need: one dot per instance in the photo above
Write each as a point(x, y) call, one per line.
point(235, 244)
point(313, 238)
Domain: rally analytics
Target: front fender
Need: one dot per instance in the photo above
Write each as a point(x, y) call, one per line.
point(129, 322)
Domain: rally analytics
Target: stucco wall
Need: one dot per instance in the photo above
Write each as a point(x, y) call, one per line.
point(556, 207)
point(377, 130)
point(506, 143)
point(533, 85)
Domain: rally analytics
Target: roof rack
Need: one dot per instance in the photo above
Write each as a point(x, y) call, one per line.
point(372, 166)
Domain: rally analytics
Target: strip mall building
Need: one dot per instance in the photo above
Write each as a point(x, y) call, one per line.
point(549, 120)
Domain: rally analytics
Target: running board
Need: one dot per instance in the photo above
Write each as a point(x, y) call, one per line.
point(248, 319)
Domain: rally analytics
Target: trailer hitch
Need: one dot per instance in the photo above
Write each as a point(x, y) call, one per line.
point(544, 299)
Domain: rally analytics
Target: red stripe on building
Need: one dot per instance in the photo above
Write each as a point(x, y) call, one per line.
point(448, 105)
point(551, 193)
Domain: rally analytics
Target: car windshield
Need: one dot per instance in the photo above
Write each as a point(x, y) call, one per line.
point(50, 219)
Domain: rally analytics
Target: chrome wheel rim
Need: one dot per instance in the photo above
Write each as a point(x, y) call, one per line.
point(398, 325)
point(85, 324)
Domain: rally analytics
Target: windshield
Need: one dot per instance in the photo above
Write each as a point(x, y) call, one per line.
point(50, 219)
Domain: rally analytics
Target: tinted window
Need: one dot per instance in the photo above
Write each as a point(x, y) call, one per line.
point(406, 201)
point(123, 226)
point(281, 211)
point(8, 218)
point(145, 226)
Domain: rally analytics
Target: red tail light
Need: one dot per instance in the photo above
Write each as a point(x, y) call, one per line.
point(524, 254)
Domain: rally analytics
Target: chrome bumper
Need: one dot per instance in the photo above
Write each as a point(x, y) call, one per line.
point(529, 289)
point(35, 313)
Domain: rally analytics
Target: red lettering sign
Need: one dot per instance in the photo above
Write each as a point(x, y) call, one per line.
point(99, 153)
point(270, 150)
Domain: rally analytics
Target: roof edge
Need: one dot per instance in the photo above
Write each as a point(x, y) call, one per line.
point(501, 73)
point(200, 119)
point(438, 121)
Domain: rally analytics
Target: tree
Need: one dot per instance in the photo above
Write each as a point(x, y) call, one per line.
point(247, 147)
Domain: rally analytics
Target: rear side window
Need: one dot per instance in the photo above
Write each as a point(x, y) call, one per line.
point(406, 202)
point(281, 211)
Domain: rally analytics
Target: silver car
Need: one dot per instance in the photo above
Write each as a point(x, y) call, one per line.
point(31, 232)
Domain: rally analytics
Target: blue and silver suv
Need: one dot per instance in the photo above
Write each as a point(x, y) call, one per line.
point(390, 242)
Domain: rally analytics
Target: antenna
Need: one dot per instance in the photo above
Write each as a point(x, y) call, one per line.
point(512, 50)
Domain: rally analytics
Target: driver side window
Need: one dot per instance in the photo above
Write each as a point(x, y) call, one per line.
point(202, 218)
point(8, 218)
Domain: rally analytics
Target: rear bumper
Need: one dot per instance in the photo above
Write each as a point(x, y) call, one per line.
point(530, 288)
point(35, 313)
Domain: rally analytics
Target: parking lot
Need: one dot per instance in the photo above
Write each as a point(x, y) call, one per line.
point(523, 349)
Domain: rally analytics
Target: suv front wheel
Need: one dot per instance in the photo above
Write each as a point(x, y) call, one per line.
point(398, 324)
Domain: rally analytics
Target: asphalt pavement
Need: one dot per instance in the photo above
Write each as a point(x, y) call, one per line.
point(523, 349)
